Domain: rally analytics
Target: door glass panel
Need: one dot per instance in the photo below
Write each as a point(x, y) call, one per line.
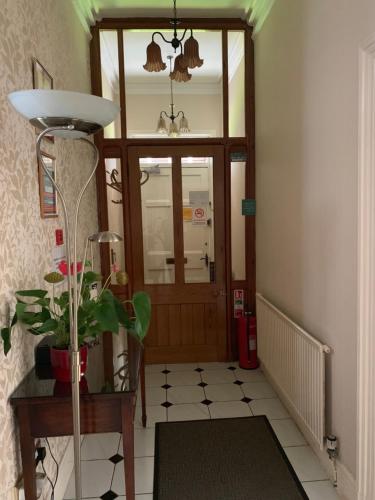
point(115, 217)
point(238, 193)
point(110, 77)
point(236, 83)
point(157, 220)
point(149, 93)
point(198, 219)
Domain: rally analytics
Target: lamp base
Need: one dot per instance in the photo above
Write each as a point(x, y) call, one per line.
point(80, 127)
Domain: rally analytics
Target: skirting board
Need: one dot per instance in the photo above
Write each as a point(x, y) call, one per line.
point(346, 484)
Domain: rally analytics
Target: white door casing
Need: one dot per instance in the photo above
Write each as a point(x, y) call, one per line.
point(366, 276)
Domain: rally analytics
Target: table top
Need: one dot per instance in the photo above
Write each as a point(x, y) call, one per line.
point(127, 354)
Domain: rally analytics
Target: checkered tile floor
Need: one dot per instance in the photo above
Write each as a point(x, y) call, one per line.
point(192, 392)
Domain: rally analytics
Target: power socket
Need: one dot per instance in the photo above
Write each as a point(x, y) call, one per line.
point(40, 479)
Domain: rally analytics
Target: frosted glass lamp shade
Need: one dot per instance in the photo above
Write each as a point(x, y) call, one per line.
point(173, 130)
point(49, 108)
point(184, 125)
point(161, 126)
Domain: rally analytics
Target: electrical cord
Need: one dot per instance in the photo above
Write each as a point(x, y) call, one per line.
point(53, 484)
point(49, 480)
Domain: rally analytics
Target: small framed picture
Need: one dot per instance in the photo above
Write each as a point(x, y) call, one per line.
point(41, 80)
point(47, 192)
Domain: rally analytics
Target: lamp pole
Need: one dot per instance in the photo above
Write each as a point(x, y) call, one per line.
point(73, 290)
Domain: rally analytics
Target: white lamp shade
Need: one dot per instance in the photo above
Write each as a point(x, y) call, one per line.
point(88, 113)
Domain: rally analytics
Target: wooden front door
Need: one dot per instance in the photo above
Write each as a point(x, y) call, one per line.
point(178, 245)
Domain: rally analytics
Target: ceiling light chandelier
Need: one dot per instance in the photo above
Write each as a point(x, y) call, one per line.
point(174, 130)
point(189, 57)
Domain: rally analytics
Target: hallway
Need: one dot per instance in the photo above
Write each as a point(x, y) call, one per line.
point(192, 392)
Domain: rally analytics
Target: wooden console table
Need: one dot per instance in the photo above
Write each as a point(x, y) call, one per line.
point(44, 409)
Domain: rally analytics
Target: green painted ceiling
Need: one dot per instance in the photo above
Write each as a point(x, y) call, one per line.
point(255, 11)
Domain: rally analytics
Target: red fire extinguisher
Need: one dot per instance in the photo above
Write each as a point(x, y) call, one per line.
point(247, 341)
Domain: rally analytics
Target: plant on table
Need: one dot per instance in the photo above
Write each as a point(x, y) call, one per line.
point(45, 313)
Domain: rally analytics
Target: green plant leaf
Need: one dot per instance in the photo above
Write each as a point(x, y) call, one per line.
point(48, 326)
point(91, 277)
point(40, 294)
point(5, 335)
point(122, 314)
point(142, 308)
point(94, 330)
point(20, 310)
point(63, 300)
point(105, 314)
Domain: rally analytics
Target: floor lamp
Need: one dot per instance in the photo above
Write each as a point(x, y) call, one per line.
point(70, 115)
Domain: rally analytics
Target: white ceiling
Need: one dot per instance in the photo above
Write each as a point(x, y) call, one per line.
point(255, 11)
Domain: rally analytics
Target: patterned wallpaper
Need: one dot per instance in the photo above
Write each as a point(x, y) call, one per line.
point(50, 31)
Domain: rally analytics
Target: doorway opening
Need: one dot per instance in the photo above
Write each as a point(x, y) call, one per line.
point(180, 200)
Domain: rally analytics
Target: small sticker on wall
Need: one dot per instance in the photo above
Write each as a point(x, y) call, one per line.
point(199, 216)
point(248, 206)
point(238, 303)
point(187, 214)
point(199, 198)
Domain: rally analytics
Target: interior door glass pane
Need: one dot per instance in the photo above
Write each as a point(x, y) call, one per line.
point(149, 93)
point(198, 219)
point(110, 77)
point(157, 220)
point(115, 217)
point(238, 193)
point(236, 83)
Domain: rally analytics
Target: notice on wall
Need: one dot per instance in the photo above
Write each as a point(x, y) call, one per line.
point(238, 301)
point(58, 256)
point(248, 207)
point(199, 198)
point(199, 216)
point(187, 214)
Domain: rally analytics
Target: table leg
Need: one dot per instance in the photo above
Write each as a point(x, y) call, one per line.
point(143, 391)
point(27, 453)
point(128, 447)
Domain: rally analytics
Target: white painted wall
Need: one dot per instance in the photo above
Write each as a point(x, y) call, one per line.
point(307, 128)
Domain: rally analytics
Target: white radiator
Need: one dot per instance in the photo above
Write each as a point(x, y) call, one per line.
point(295, 363)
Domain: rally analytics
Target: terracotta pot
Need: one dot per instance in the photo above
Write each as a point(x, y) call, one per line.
point(61, 365)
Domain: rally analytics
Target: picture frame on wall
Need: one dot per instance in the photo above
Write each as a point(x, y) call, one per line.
point(47, 192)
point(41, 80)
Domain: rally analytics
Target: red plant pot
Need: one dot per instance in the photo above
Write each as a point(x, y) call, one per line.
point(61, 364)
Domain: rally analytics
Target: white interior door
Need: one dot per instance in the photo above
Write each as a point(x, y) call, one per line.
point(157, 217)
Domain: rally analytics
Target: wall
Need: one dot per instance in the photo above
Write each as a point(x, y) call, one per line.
point(306, 113)
point(204, 112)
point(50, 31)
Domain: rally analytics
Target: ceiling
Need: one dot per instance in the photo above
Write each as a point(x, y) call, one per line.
point(255, 11)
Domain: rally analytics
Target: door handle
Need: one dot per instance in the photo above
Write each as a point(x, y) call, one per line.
point(205, 258)
point(219, 293)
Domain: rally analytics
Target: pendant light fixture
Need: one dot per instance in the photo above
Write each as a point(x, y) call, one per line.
point(189, 57)
point(173, 130)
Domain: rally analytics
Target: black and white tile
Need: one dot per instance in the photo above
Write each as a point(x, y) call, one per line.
point(193, 392)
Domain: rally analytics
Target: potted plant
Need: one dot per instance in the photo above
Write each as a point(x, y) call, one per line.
point(43, 313)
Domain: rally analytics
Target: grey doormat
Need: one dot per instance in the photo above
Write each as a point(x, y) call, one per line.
point(223, 459)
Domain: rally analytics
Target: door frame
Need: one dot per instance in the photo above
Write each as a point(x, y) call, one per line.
point(366, 276)
point(117, 148)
